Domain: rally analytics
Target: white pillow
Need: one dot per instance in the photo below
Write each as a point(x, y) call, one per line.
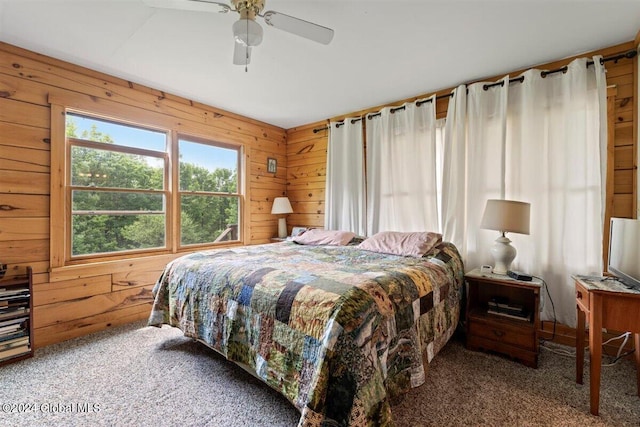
point(316, 236)
point(414, 244)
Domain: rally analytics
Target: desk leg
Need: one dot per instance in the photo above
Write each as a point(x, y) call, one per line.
point(595, 350)
point(637, 344)
point(580, 345)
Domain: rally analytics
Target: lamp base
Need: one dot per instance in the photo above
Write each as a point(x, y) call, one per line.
point(282, 228)
point(503, 254)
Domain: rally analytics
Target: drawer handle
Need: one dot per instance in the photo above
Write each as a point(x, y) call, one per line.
point(579, 295)
point(498, 333)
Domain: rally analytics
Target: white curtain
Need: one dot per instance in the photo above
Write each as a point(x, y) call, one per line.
point(401, 169)
point(485, 163)
point(556, 160)
point(345, 186)
point(440, 129)
point(541, 141)
point(453, 170)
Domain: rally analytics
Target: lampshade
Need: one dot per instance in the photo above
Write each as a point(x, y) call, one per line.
point(247, 31)
point(506, 216)
point(281, 205)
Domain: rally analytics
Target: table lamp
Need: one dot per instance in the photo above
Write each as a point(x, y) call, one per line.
point(281, 205)
point(505, 216)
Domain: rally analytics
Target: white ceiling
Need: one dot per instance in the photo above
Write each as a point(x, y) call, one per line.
point(383, 51)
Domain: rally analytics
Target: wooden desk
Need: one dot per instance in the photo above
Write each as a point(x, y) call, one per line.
point(605, 304)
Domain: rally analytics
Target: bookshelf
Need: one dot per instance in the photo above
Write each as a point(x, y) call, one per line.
point(16, 326)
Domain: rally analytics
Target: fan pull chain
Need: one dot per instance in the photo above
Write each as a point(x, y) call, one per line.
point(246, 51)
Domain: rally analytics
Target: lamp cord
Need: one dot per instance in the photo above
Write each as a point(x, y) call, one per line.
point(553, 307)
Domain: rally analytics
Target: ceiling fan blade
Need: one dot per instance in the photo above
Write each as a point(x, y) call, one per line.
point(196, 5)
point(241, 54)
point(299, 27)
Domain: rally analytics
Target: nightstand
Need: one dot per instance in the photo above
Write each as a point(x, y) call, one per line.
point(503, 315)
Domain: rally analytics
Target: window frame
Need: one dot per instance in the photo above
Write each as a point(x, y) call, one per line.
point(179, 193)
point(60, 195)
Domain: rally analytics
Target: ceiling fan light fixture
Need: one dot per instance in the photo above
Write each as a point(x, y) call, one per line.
point(247, 31)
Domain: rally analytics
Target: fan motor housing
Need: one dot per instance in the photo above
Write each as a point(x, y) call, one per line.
point(248, 9)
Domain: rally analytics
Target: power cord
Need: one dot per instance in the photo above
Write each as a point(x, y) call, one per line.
point(558, 349)
point(553, 307)
point(619, 355)
point(543, 342)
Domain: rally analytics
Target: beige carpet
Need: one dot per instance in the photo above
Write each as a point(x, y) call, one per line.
point(140, 376)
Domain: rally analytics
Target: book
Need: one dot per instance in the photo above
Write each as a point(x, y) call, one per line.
point(18, 334)
point(12, 325)
point(14, 297)
point(13, 321)
point(4, 314)
point(503, 303)
point(15, 342)
point(14, 291)
point(521, 316)
point(15, 351)
point(10, 329)
point(505, 306)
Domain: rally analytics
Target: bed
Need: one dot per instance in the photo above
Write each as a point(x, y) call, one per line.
point(340, 331)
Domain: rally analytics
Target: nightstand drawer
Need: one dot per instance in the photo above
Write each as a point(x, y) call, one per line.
point(523, 337)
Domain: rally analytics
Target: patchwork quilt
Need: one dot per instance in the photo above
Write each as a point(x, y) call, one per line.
point(339, 331)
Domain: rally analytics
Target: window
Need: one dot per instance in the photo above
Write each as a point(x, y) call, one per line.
point(209, 198)
point(120, 188)
point(117, 186)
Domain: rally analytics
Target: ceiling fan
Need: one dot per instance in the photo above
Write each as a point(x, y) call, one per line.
point(246, 31)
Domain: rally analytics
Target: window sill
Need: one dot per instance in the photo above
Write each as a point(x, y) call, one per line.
point(102, 266)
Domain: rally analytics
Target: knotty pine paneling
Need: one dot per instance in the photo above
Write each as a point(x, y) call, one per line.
point(54, 73)
point(24, 228)
point(622, 204)
point(621, 74)
point(24, 113)
point(623, 157)
point(75, 328)
point(24, 159)
point(24, 205)
point(16, 251)
point(306, 174)
point(21, 182)
point(134, 279)
point(623, 134)
point(87, 298)
point(23, 136)
point(49, 293)
point(68, 311)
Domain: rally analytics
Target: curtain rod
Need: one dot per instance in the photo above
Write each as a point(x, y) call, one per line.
point(418, 103)
point(615, 58)
point(627, 55)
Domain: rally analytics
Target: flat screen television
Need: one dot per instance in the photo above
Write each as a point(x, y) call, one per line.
point(624, 251)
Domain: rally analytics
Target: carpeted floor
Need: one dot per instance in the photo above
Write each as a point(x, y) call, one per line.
point(138, 376)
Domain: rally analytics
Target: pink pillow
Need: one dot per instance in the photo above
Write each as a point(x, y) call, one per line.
point(324, 237)
point(406, 244)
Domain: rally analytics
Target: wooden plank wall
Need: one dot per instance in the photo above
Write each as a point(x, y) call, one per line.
point(86, 300)
point(306, 174)
point(306, 150)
